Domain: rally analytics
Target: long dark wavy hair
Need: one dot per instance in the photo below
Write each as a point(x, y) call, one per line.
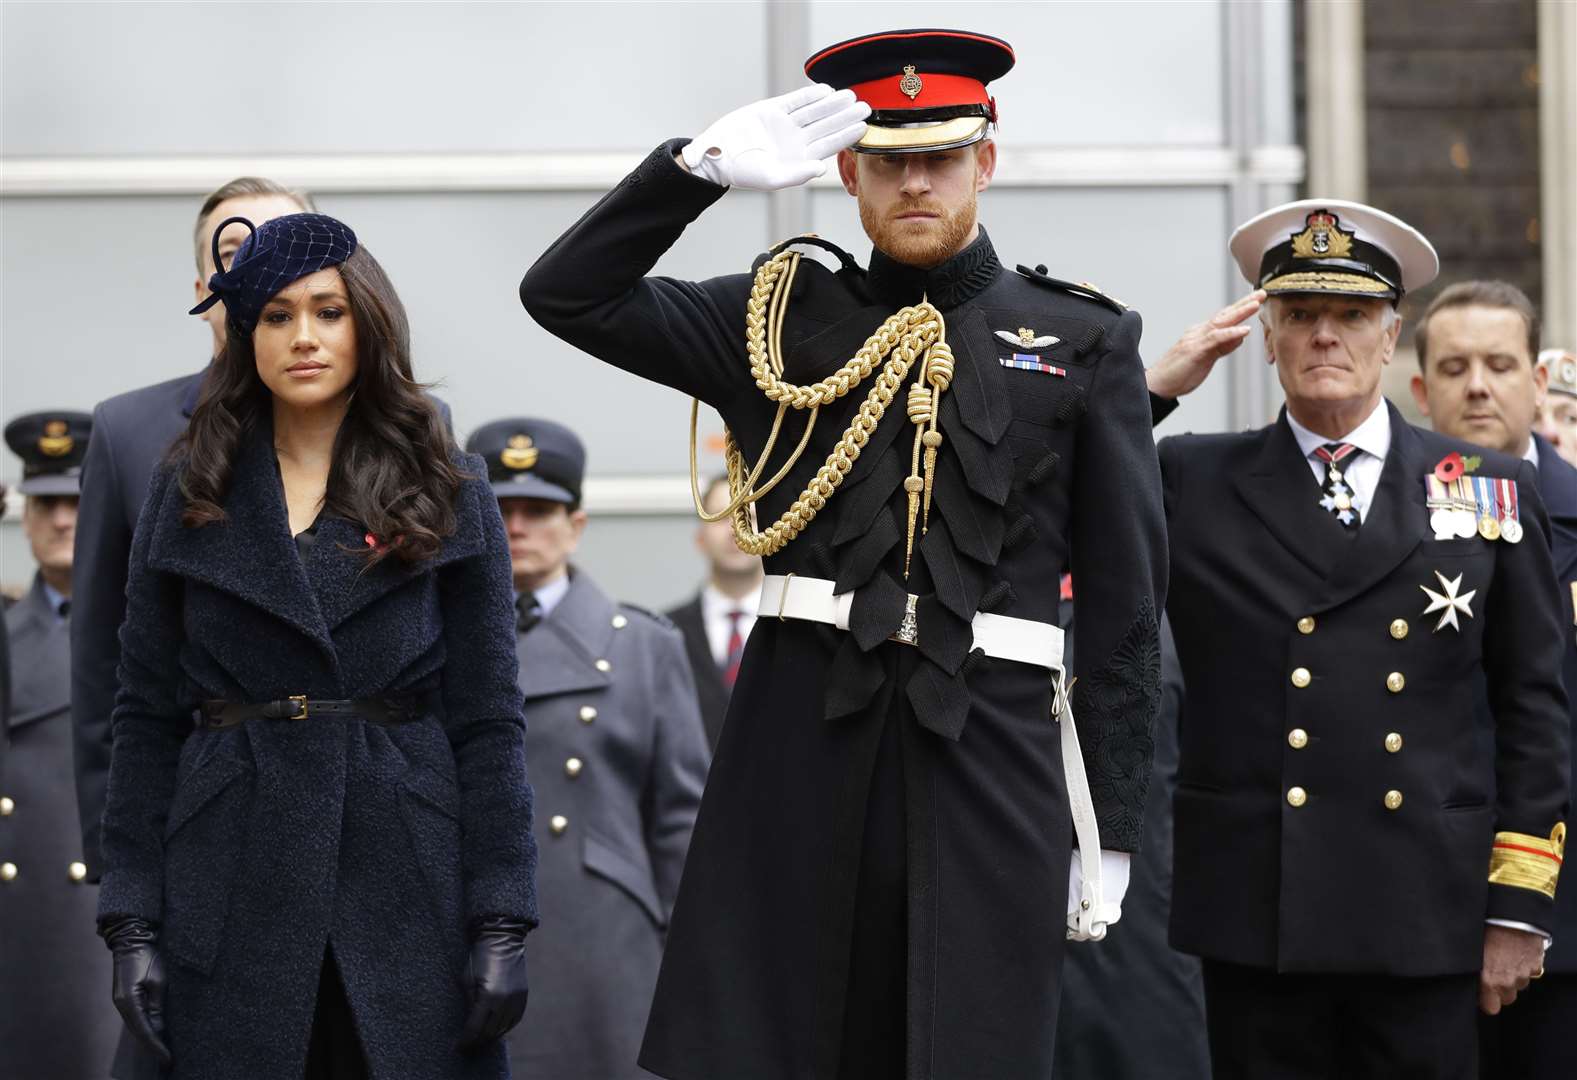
point(393, 469)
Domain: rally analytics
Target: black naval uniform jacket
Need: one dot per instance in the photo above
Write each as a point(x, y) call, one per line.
point(254, 847)
point(56, 1018)
point(1034, 465)
point(1266, 584)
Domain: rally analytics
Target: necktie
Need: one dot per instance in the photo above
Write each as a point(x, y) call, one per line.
point(65, 609)
point(736, 649)
point(1336, 494)
point(529, 612)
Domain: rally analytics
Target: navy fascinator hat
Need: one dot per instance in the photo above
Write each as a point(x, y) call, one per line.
point(281, 251)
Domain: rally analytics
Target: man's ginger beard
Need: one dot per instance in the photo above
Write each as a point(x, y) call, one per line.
point(932, 247)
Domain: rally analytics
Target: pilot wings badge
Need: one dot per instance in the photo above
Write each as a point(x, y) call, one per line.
point(1025, 338)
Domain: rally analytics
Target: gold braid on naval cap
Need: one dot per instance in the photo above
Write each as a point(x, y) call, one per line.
point(917, 332)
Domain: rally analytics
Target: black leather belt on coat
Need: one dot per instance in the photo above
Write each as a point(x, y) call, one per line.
point(216, 714)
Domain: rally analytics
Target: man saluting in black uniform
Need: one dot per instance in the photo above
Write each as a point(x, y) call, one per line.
point(1356, 868)
point(879, 876)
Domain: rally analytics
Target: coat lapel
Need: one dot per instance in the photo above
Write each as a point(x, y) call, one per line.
point(1558, 492)
point(251, 555)
point(1281, 491)
point(1396, 523)
point(560, 655)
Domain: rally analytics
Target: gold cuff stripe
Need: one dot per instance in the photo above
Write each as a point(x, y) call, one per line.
point(1325, 281)
point(1527, 862)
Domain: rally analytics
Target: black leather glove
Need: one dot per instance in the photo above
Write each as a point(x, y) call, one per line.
point(139, 981)
point(496, 980)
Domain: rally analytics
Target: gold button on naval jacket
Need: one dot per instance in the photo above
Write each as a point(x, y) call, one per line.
point(587, 714)
point(77, 872)
point(1306, 625)
point(572, 767)
point(603, 666)
point(7, 806)
point(1394, 682)
point(1393, 799)
point(620, 622)
point(7, 871)
point(1399, 628)
point(1297, 796)
point(1393, 743)
point(558, 823)
point(1297, 738)
point(1301, 677)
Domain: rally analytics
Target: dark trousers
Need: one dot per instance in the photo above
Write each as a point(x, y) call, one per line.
point(1535, 1037)
point(334, 1052)
point(875, 1014)
point(1267, 1026)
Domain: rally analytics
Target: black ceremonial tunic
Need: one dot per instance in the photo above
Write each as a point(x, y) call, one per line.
point(857, 778)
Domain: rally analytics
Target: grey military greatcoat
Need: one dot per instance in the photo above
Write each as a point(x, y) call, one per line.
point(618, 757)
point(56, 1019)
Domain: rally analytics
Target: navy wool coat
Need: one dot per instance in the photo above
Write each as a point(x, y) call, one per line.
point(257, 846)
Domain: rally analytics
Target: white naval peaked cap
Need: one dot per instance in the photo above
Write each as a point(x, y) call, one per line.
point(1333, 246)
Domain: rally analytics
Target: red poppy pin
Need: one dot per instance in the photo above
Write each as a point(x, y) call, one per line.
point(372, 541)
point(1454, 465)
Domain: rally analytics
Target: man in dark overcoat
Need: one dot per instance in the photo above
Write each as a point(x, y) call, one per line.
point(880, 872)
point(56, 1019)
point(131, 433)
point(716, 621)
point(1359, 869)
point(1479, 380)
point(618, 760)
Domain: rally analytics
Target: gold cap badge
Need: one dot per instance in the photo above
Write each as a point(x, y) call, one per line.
point(55, 442)
point(520, 454)
point(1322, 238)
point(910, 84)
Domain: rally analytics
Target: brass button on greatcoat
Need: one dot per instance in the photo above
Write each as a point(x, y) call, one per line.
point(1399, 628)
point(1301, 677)
point(77, 873)
point(1296, 796)
point(588, 713)
point(1393, 743)
point(603, 666)
point(8, 871)
point(1297, 738)
point(1395, 681)
point(1306, 625)
point(572, 767)
point(558, 823)
point(7, 806)
point(1393, 799)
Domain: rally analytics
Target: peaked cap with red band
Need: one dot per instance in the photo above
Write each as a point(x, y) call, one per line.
point(926, 88)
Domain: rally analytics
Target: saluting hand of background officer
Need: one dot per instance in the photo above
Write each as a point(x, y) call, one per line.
point(780, 142)
point(1188, 362)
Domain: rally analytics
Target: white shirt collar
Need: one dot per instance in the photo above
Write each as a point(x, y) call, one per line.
point(1531, 454)
point(549, 595)
point(1373, 436)
point(714, 605)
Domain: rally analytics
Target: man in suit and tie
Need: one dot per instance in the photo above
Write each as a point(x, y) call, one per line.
point(131, 433)
point(716, 621)
point(1359, 868)
point(1478, 380)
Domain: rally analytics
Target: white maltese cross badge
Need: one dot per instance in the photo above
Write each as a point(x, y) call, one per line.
point(1448, 603)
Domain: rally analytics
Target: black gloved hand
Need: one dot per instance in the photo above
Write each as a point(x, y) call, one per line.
point(496, 980)
point(138, 985)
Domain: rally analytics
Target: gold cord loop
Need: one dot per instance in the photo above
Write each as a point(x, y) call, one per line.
point(913, 333)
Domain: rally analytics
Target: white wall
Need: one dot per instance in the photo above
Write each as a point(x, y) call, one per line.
point(459, 139)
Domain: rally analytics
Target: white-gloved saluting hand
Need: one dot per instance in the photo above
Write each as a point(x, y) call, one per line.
point(781, 142)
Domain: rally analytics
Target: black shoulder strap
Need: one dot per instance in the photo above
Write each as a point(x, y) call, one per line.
point(1077, 288)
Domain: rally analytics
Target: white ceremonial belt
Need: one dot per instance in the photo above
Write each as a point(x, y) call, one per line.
point(789, 596)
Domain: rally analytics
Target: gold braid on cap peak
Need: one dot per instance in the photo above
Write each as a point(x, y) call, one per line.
point(912, 333)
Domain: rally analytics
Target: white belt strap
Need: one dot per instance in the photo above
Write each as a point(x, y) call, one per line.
point(789, 596)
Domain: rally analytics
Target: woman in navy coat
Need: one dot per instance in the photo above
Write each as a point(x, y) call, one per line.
point(329, 871)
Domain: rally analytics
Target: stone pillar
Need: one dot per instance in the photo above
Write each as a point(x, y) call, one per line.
point(1333, 64)
point(1558, 169)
